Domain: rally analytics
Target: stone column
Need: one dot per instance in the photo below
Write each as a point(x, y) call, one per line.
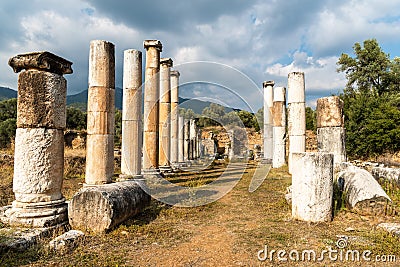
point(100, 114)
point(312, 187)
point(279, 128)
point(174, 117)
point(187, 141)
point(330, 128)
point(296, 115)
point(39, 140)
point(268, 121)
point(165, 115)
point(192, 137)
point(181, 145)
point(151, 107)
point(131, 149)
point(231, 153)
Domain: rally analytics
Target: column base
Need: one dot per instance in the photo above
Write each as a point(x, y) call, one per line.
point(128, 177)
point(266, 161)
point(37, 215)
point(151, 172)
point(165, 169)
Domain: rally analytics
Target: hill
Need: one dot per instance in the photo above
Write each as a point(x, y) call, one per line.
point(7, 93)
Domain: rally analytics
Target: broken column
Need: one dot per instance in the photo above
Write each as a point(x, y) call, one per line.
point(268, 121)
point(151, 107)
point(181, 144)
point(100, 114)
point(39, 140)
point(312, 186)
point(131, 148)
point(279, 127)
point(165, 115)
point(296, 115)
point(174, 118)
point(330, 128)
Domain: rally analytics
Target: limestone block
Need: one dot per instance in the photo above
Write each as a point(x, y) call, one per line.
point(67, 240)
point(297, 119)
point(38, 164)
point(101, 99)
point(391, 175)
point(132, 77)
point(132, 100)
point(296, 88)
point(150, 150)
point(41, 100)
point(278, 159)
point(131, 149)
point(297, 143)
point(333, 140)
point(279, 114)
point(102, 64)
point(102, 208)
point(363, 193)
point(330, 112)
point(312, 186)
point(100, 122)
point(99, 159)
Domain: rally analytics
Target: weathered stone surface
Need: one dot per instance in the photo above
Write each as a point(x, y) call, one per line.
point(268, 119)
point(296, 88)
point(66, 241)
point(333, 140)
point(279, 150)
point(41, 100)
point(174, 154)
point(391, 175)
point(187, 140)
point(392, 228)
point(100, 121)
point(44, 61)
point(165, 113)
point(297, 119)
point(151, 106)
point(181, 143)
point(131, 149)
point(100, 169)
point(363, 193)
point(102, 208)
point(39, 164)
point(102, 64)
point(330, 112)
point(312, 186)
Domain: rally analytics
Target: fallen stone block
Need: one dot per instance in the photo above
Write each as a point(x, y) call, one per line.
point(101, 208)
point(393, 228)
point(362, 192)
point(66, 241)
point(391, 175)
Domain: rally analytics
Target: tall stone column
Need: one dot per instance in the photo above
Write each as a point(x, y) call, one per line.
point(165, 115)
point(330, 128)
point(279, 128)
point(100, 114)
point(181, 144)
point(187, 141)
point(268, 121)
point(312, 187)
point(39, 140)
point(131, 149)
point(192, 137)
point(174, 117)
point(151, 107)
point(296, 115)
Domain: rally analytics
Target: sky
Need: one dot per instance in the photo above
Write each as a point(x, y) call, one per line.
point(223, 49)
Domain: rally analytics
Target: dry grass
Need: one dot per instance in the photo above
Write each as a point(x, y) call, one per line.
point(228, 232)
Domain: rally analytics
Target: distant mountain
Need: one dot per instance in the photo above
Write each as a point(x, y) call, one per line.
point(79, 100)
point(7, 93)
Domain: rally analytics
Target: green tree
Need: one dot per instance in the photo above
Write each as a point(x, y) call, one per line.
point(213, 115)
point(118, 128)
point(7, 131)
point(311, 119)
point(371, 101)
point(8, 109)
point(76, 119)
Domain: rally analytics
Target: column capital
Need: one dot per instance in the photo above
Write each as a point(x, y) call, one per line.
point(44, 61)
point(167, 61)
point(268, 83)
point(152, 43)
point(175, 73)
